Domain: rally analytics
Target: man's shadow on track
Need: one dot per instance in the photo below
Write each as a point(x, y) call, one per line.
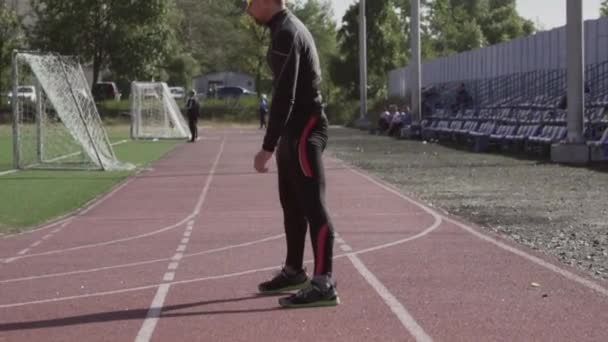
point(139, 314)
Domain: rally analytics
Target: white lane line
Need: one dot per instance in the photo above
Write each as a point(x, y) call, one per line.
point(149, 325)
point(141, 263)
point(3, 173)
point(406, 319)
point(79, 212)
point(547, 265)
point(173, 266)
point(169, 276)
point(181, 248)
point(77, 153)
point(197, 280)
point(346, 248)
point(67, 220)
point(22, 253)
point(147, 329)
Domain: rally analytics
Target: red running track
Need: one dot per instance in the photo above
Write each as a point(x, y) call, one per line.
point(176, 252)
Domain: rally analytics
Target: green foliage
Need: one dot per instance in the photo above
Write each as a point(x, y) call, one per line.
point(114, 109)
point(11, 37)
point(243, 109)
point(214, 32)
point(132, 38)
point(181, 69)
point(385, 48)
point(342, 109)
point(503, 23)
point(604, 8)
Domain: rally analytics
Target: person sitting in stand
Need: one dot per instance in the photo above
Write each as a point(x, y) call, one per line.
point(384, 121)
point(400, 120)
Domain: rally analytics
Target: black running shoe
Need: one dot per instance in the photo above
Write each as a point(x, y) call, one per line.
point(312, 296)
point(283, 282)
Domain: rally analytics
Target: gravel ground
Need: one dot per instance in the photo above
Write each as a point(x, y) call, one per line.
point(560, 210)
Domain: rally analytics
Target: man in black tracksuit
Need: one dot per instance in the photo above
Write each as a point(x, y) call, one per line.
point(297, 119)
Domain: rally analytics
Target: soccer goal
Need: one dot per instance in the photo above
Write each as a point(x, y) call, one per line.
point(155, 114)
point(56, 124)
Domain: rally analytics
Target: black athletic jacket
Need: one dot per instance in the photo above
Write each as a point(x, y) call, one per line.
point(294, 62)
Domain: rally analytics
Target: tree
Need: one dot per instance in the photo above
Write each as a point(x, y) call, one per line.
point(503, 23)
point(460, 25)
point(604, 9)
point(10, 38)
point(220, 37)
point(181, 69)
point(386, 47)
point(131, 37)
point(216, 34)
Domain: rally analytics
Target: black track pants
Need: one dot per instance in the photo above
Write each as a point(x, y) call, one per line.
point(302, 193)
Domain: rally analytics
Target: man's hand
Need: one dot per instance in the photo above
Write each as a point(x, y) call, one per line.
point(260, 162)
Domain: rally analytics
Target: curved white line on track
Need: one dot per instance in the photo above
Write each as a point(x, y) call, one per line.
point(427, 231)
point(154, 309)
point(141, 263)
point(78, 212)
point(194, 213)
point(536, 260)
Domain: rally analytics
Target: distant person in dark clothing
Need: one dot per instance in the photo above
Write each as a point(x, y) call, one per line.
point(463, 98)
point(400, 120)
point(385, 120)
point(193, 112)
point(263, 111)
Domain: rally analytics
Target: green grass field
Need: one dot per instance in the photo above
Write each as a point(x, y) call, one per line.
point(39, 196)
point(6, 146)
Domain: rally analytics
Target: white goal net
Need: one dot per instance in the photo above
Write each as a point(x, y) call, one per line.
point(56, 124)
point(155, 114)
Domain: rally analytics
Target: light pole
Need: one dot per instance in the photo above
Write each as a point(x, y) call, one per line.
point(415, 64)
point(363, 58)
point(574, 150)
point(576, 71)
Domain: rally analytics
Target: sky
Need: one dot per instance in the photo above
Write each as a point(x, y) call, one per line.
point(547, 13)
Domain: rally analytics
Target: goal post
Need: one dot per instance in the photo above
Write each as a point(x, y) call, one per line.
point(155, 114)
point(56, 124)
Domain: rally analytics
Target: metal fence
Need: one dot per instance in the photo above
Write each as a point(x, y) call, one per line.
point(544, 51)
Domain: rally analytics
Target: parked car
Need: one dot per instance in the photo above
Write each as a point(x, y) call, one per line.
point(103, 91)
point(178, 92)
point(150, 93)
point(233, 92)
point(25, 92)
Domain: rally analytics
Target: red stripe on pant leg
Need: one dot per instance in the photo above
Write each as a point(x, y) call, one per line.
point(303, 153)
point(320, 262)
